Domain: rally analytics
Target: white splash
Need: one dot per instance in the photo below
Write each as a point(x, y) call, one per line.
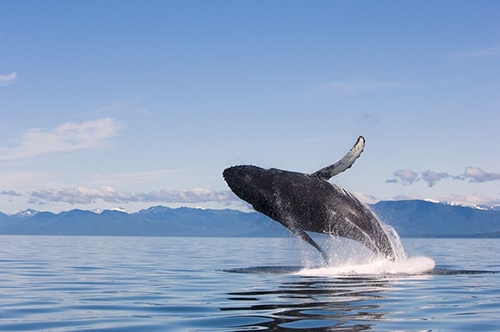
point(376, 266)
point(399, 250)
point(349, 257)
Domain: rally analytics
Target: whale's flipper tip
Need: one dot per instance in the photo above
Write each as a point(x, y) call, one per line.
point(327, 172)
point(305, 237)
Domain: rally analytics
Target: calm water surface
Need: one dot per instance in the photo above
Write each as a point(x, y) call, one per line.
point(233, 284)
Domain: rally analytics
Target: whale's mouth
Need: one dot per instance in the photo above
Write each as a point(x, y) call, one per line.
point(234, 178)
point(233, 174)
point(239, 179)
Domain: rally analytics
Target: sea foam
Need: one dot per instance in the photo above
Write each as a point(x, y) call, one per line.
point(376, 266)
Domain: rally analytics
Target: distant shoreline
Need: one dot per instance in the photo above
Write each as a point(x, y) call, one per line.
point(411, 219)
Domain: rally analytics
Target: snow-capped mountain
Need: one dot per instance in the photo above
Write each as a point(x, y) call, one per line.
point(26, 213)
point(120, 209)
point(479, 206)
point(409, 218)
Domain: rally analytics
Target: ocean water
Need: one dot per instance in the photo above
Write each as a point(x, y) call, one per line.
point(244, 284)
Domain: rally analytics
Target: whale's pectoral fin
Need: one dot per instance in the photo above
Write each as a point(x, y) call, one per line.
point(344, 163)
point(305, 237)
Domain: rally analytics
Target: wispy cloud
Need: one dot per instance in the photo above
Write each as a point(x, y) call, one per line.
point(131, 178)
point(83, 195)
point(365, 198)
point(473, 199)
point(470, 200)
point(473, 174)
point(490, 52)
point(355, 86)
point(67, 137)
point(407, 197)
point(8, 79)
point(10, 193)
point(26, 180)
point(120, 108)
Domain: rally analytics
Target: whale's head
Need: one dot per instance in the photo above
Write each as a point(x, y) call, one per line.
point(248, 183)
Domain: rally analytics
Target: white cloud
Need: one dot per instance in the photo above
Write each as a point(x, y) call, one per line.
point(8, 79)
point(473, 174)
point(406, 176)
point(67, 137)
point(196, 195)
point(83, 195)
point(476, 174)
point(355, 86)
point(432, 177)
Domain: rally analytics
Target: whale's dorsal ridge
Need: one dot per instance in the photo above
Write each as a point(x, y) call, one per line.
point(344, 163)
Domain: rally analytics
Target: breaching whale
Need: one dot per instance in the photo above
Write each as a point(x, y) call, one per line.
point(308, 202)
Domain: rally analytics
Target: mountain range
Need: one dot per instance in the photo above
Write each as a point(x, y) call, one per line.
point(411, 218)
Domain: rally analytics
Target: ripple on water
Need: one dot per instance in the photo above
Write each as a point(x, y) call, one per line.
point(172, 284)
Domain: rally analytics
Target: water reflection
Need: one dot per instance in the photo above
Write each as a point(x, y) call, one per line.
point(315, 304)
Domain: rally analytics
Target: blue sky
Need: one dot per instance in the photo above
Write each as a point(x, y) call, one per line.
point(133, 104)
